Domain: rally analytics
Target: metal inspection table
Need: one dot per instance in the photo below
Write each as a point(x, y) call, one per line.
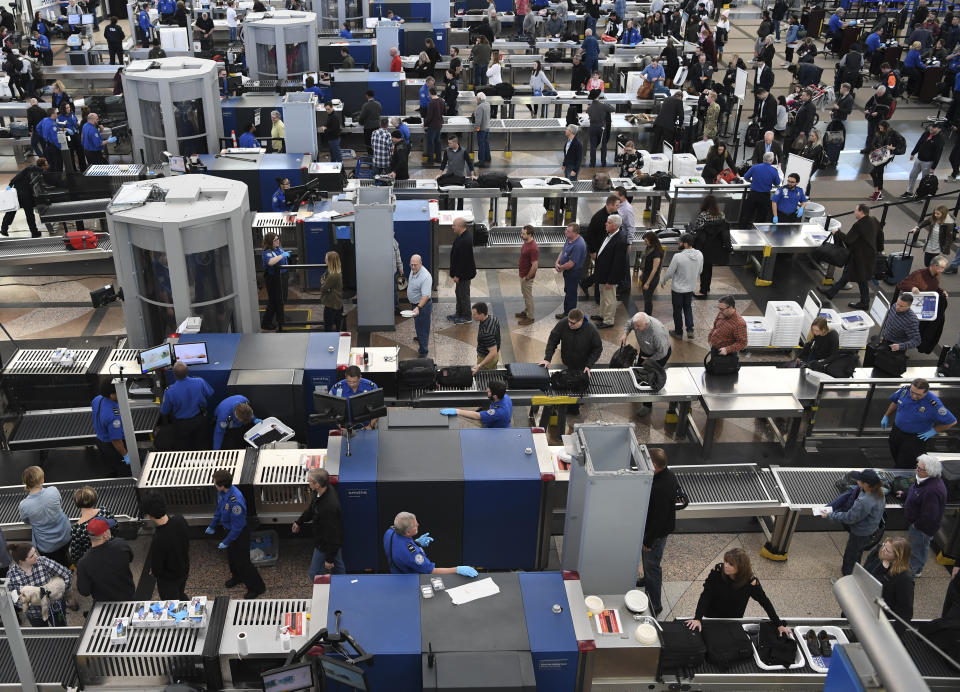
point(72, 426)
point(771, 240)
point(51, 248)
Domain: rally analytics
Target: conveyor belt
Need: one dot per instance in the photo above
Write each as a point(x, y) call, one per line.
point(68, 427)
point(119, 494)
point(36, 361)
point(509, 236)
point(115, 170)
point(928, 662)
point(813, 486)
point(525, 124)
point(74, 210)
point(729, 484)
point(50, 249)
point(52, 657)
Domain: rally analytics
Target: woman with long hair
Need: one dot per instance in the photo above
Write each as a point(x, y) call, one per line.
point(718, 160)
point(274, 259)
point(942, 233)
point(540, 85)
point(860, 510)
point(884, 137)
point(889, 563)
point(727, 590)
point(822, 343)
point(331, 293)
point(712, 238)
point(650, 272)
point(30, 568)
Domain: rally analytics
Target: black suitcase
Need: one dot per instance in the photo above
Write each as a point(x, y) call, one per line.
point(951, 478)
point(726, 643)
point(682, 652)
point(417, 373)
point(455, 376)
point(528, 376)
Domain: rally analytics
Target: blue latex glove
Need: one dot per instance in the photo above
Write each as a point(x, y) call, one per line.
point(126, 459)
point(286, 253)
point(257, 421)
point(775, 219)
point(885, 422)
point(222, 545)
point(927, 435)
point(209, 531)
point(799, 212)
point(448, 412)
point(424, 540)
point(466, 571)
point(112, 140)
point(9, 187)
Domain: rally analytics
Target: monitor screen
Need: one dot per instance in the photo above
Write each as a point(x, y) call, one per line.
point(289, 678)
point(316, 78)
point(191, 354)
point(86, 19)
point(155, 358)
point(668, 152)
point(178, 164)
point(73, 19)
point(344, 673)
point(366, 406)
point(328, 409)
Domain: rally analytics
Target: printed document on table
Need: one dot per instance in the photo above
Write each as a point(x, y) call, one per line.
point(473, 591)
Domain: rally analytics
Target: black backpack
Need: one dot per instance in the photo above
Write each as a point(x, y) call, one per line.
point(682, 652)
point(928, 185)
point(624, 357)
point(553, 55)
point(841, 364)
point(417, 373)
point(569, 380)
point(715, 364)
point(726, 643)
point(773, 648)
point(951, 362)
point(496, 180)
point(455, 376)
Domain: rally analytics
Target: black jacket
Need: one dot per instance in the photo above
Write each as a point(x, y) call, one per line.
point(24, 182)
point(573, 156)
point(843, 107)
point(880, 105)
point(327, 519)
point(767, 113)
point(170, 550)
point(104, 572)
point(662, 509)
point(760, 148)
point(579, 348)
point(579, 77)
point(399, 161)
point(34, 115)
point(803, 122)
point(700, 75)
point(670, 116)
point(333, 127)
point(596, 231)
point(716, 163)
point(611, 262)
point(821, 347)
point(462, 265)
point(897, 590)
point(861, 240)
point(113, 34)
point(767, 78)
point(721, 598)
point(670, 60)
point(929, 148)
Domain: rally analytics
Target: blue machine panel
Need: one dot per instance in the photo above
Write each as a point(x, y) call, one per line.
point(319, 370)
point(275, 166)
point(221, 351)
point(412, 228)
point(842, 675)
point(440, 35)
point(387, 90)
point(357, 488)
point(552, 639)
point(501, 496)
point(409, 10)
point(382, 612)
point(316, 240)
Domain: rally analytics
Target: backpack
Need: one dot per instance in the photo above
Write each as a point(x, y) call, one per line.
point(928, 185)
point(715, 364)
point(455, 376)
point(496, 180)
point(624, 357)
point(448, 179)
point(951, 362)
point(842, 364)
point(773, 648)
point(601, 182)
point(417, 373)
point(802, 32)
point(553, 55)
point(683, 650)
point(570, 380)
point(726, 643)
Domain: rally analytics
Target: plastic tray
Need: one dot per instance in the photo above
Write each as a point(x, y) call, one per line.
point(269, 542)
point(753, 630)
point(819, 663)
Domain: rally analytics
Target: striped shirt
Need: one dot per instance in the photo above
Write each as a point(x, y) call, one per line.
point(902, 328)
point(488, 336)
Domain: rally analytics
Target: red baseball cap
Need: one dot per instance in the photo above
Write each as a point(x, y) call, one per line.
point(98, 527)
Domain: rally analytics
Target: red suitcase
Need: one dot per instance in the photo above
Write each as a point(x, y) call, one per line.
point(80, 240)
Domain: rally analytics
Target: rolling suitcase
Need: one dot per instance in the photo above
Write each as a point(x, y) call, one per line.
point(528, 376)
point(682, 652)
point(899, 263)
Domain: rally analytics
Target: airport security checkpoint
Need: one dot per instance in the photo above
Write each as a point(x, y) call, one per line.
point(294, 398)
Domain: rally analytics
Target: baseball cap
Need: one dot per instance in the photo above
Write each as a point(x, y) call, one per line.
point(868, 476)
point(98, 526)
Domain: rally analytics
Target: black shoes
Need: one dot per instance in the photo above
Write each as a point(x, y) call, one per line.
point(231, 582)
point(253, 594)
point(813, 643)
point(826, 648)
point(858, 306)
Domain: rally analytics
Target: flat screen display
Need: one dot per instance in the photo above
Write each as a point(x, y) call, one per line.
point(73, 19)
point(156, 358)
point(289, 678)
point(191, 354)
point(344, 673)
point(178, 164)
point(87, 19)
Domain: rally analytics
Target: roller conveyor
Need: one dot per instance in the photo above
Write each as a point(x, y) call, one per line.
point(71, 427)
point(509, 236)
point(51, 249)
point(51, 655)
point(119, 494)
point(809, 487)
point(727, 484)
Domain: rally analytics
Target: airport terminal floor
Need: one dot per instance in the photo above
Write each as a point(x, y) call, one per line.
point(44, 304)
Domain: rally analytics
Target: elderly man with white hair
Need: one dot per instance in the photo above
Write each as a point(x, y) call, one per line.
point(653, 343)
point(923, 507)
point(405, 554)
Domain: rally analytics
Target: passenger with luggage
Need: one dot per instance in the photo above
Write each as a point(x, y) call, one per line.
point(925, 156)
point(420, 295)
point(661, 521)
point(862, 242)
point(579, 342)
point(886, 144)
point(860, 510)
point(928, 280)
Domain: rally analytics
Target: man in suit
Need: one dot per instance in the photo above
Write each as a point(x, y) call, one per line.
point(765, 110)
point(701, 74)
point(572, 153)
point(609, 270)
point(668, 122)
point(765, 145)
point(806, 114)
point(844, 105)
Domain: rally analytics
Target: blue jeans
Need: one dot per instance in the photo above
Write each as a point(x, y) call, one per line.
point(653, 573)
point(919, 549)
point(233, 34)
point(593, 64)
point(335, 154)
point(433, 144)
point(317, 565)
point(421, 323)
point(483, 146)
point(571, 283)
point(479, 74)
point(776, 26)
point(682, 310)
point(658, 88)
point(36, 143)
point(956, 260)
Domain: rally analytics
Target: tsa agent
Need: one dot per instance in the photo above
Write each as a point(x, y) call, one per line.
point(92, 141)
point(788, 200)
point(279, 200)
point(405, 555)
point(233, 416)
point(353, 383)
point(109, 430)
point(500, 413)
point(919, 416)
point(186, 401)
point(274, 259)
point(248, 140)
point(231, 513)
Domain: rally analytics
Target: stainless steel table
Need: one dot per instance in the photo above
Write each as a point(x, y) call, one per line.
point(771, 240)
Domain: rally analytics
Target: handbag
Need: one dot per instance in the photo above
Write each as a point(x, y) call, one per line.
point(716, 364)
point(9, 200)
point(646, 90)
point(835, 252)
point(727, 175)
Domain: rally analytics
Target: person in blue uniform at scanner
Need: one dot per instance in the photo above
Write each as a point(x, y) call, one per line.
point(186, 400)
point(788, 200)
point(233, 416)
point(109, 429)
point(920, 416)
point(248, 140)
point(144, 25)
point(279, 200)
point(92, 140)
point(344, 31)
point(500, 413)
point(405, 554)
point(354, 382)
point(274, 259)
point(311, 86)
point(231, 513)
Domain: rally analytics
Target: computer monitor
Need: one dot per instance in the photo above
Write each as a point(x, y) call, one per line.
point(367, 406)
point(668, 152)
point(316, 78)
point(300, 676)
point(73, 19)
point(328, 409)
point(345, 673)
point(86, 19)
point(191, 354)
point(295, 195)
point(156, 358)
point(178, 164)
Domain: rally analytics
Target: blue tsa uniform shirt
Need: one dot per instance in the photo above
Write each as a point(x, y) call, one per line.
point(499, 415)
point(342, 389)
point(270, 254)
point(106, 419)
point(404, 556)
point(918, 416)
point(279, 200)
point(787, 200)
point(231, 513)
point(184, 398)
point(248, 141)
point(224, 416)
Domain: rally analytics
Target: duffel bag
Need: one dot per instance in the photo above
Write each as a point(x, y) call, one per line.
point(726, 643)
point(455, 376)
point(417, 373)
point(832, 252)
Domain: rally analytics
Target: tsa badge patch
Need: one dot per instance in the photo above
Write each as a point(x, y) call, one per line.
point(942, 411)
point(418, 558)
point(116, 423)
point(237, 509)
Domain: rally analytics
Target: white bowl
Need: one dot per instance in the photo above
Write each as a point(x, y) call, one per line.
point(406, 313)
point(593, 603)
point(646, 634)
point(636, 601)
